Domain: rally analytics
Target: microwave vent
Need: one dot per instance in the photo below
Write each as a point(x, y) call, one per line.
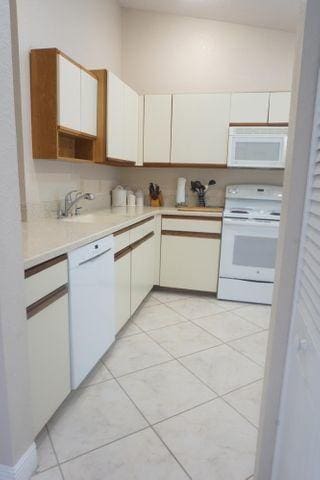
point(258, 130)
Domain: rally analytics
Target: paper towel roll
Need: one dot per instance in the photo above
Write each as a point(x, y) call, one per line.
point(181, 191)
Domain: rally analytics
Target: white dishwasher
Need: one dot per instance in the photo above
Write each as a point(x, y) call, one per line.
point(92, 322)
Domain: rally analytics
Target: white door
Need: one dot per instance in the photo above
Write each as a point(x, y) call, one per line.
point(189, 262)
point(157, 129)
point(298, 442)
point(89, 103)
point(122, 290)
point(243, 242)
point(131, 125)
point(249, 107)
point(200, 128)
point(69, 94)
point(115, 117)
point(142, 272)
point(279, 107)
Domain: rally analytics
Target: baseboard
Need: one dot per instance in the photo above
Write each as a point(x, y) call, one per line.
point(23, 469)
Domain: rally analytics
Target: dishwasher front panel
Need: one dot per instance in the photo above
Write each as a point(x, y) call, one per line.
point(92, 317)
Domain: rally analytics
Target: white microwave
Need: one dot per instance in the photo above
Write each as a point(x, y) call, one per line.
point(257, 147)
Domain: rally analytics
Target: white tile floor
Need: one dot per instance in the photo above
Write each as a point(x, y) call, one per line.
point(177, 397)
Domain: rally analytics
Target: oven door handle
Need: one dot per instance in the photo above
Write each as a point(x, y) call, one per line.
point(250, 222)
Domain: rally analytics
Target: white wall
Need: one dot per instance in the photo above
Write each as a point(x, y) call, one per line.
point(90, 32)
point(15, 423)
point(168, 53)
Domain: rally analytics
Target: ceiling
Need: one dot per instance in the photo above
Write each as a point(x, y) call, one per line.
point(277, 14)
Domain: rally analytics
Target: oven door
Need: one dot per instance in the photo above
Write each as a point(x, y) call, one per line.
point(257, 151)
point(248, 249)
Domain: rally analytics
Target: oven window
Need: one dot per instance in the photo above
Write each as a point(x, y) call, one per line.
point(251, 251)
point(257, 151)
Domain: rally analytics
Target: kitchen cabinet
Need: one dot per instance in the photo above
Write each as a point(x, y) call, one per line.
point(249, 107)
point(142, 270)
point(48, 338)
point(157, 129)
point(190, 250)
point(69, 92)
point(122, 121)
point(122, 288)
point(88, 104)
point(200, 125)
point(131, 124)
point(64, 107)
point(279, 107)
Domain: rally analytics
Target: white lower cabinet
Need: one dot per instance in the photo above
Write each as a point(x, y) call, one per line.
point(142, 270)
point(189, 262)
point(123, 288)
point(49, 360)
point(48, 338)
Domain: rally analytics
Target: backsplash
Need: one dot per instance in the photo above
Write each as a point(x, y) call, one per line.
point(51, 180)
point(139, 179)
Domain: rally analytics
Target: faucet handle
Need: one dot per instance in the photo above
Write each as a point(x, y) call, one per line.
point(77, 210)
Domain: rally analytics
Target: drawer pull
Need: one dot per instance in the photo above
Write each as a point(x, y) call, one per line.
point(43, 266)
point(126, 229)
point(142, 240)
point(44, 302)
point(178, 233)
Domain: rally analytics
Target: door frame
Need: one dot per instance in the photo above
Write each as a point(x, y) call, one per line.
point(305, 80)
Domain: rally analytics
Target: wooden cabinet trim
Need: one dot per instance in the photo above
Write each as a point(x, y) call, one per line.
point(176, 233)
point(284, 124)
point(130, 227)
point(184, 165)
point(44, 302)
point(43, 266)
point(122, 253)
point(142, 240)
point(193, 217)
point(118, 162)
point(75, 133)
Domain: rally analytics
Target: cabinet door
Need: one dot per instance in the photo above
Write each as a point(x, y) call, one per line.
point(200, 128)
point(249, 107)
point(49, 360)
point(115, 117)
point(123, 285)
point(279, 107)
point(131, 118)
point(69, 94)
point(89, 103)
point(189, 262)
point(142, 272)
point(157, 129)
point(140, 130)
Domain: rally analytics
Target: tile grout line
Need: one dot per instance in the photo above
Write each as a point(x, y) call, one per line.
point(55, 452)
point(218, 395)
point(154, 431)
point(222, 342)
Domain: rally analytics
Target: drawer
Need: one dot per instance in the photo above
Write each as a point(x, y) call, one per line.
point(45, 278)
point(191, 224)
point(121, 240)
point(144, 227)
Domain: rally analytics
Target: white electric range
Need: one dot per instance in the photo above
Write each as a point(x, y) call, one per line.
point(249, 243)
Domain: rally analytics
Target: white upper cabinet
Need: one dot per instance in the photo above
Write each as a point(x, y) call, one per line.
point(200, 128)
point(115, 117)
point(139, 161)
point(89, 103)
point(249, 107)
point(69, 91)
point(122, 120)
point(279, 107)
point(131, 126)
point(157, 128)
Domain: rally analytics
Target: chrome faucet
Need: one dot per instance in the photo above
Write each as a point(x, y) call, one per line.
point(71, 199)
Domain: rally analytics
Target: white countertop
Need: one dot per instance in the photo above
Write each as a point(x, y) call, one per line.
point(48, 238)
